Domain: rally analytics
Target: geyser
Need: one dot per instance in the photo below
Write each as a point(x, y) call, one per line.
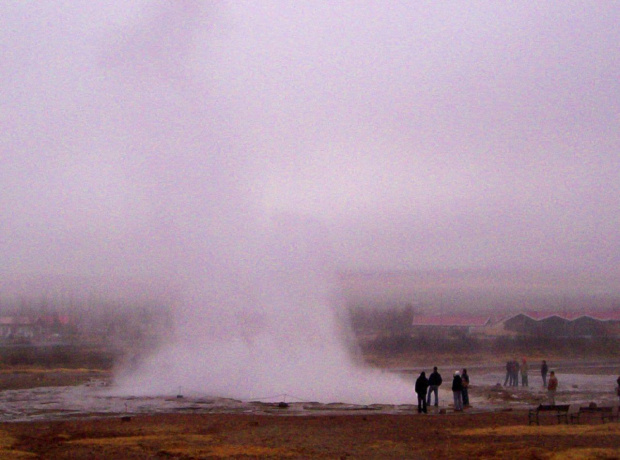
point(266, 326)
point(257, 316)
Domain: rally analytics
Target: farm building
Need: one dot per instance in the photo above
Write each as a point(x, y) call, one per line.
point(23, 329)
point(566, 324)
point(18, 328)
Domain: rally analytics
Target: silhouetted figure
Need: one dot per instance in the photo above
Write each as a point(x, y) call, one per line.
point(524, 370)
point(465, 379)
point(512, 373)
point(434, 382)
point(618, 389)
point(457, 391)
point(421, 387)
point(515, 373)
point(543, 372)
point(552, 387)
point(508, 372)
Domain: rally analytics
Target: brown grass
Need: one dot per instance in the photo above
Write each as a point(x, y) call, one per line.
point(487, 435)
point(587, 454)
point(547, 430)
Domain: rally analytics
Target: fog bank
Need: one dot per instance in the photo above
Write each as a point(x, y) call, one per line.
point(242, 153)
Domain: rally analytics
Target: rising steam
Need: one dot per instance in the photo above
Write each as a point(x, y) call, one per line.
point(268, 327)
point(258, 314)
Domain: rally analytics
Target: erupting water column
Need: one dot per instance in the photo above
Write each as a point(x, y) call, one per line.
point(268, 328)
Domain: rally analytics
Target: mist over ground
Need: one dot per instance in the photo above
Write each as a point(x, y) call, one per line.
point(242, 153)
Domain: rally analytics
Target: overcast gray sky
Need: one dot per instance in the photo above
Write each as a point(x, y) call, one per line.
point(139, 138)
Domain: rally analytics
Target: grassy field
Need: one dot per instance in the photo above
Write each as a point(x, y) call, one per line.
point(21, 377)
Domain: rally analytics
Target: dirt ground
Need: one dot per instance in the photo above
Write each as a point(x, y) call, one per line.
point(485, 435)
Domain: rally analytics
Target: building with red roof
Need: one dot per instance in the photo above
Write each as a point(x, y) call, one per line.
point(451, 324)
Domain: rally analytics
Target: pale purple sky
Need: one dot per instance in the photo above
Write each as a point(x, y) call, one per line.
point(141, 138)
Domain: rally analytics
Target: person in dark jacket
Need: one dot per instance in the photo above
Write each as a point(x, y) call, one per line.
point(465, 379)
point(543, 372)
point(508, 373)
point(457, 391)
point(421, 385)
point(515, 373)
point(434, 382)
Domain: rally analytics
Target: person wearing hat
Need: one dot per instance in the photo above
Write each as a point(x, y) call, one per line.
point(457, 391)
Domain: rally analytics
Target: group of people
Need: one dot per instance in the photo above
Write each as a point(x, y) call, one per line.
point(513, 368)
point(426, 387)
point(512, 376)
point(512, 373)
point(551, 385)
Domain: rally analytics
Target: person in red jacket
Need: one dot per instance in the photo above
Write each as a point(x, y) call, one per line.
point(552, 386)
